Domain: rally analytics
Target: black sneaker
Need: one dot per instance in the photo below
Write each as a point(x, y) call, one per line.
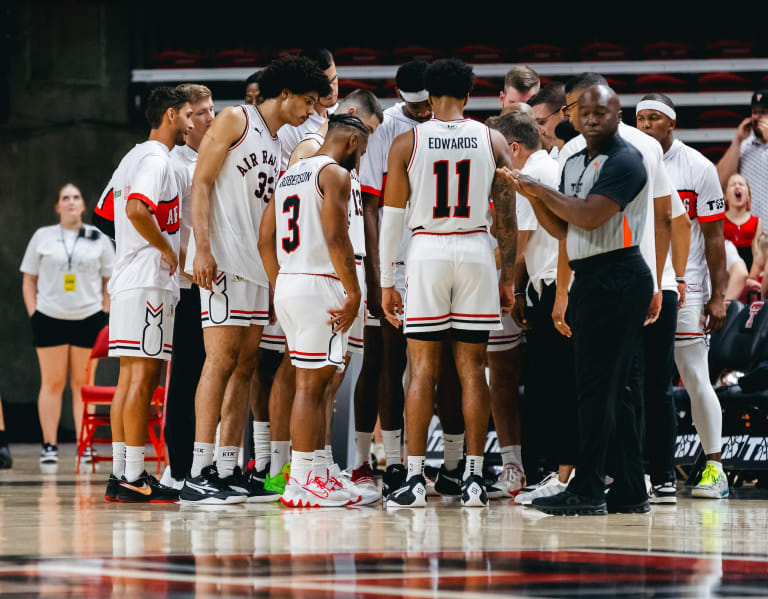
point(49, 454)
point(145, 489)
point(208, 489)
point(473, 491)
point(394, 478)
point(250, 484)
point(6, 461)
point(492, 489)
point(640, 507)
point(570, 504)
point(412, 494)
point(665, 493)
point(113, 484)
point(448, 483)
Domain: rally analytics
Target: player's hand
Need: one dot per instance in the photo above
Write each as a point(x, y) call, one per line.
point(170, 258)
point(558, 314)
point(714, 315)
point(343, 318)
point(373, 298)
point(392, 305)
point(524, 184)
point(204, 268)
point(681, 291)
point(753, 284)
point(654, 309)
point(518, 313)
point(506, 296)
point(762, 128)
point(744, 129)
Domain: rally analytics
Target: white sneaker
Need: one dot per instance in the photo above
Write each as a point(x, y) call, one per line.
point(169, 481)
point(713, 483)
point(312, 494)
point(360, 494)
point(510, 482)
point(549, 486)
point(430, 487)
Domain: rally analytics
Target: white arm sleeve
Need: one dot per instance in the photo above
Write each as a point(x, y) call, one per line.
point(392, 223)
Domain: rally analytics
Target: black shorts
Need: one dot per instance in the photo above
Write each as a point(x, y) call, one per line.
point(49, 332)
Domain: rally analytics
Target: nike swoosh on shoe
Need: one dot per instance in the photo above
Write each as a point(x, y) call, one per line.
point(145, 489)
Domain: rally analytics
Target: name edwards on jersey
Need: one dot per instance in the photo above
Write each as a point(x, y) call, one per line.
point(452, 143)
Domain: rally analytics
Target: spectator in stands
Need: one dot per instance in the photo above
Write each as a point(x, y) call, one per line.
point(252, 93)
point(741, 226)
point(547, 109)
point(757, 274)
point(520, 84)
point(748, 154)
point(66, 268)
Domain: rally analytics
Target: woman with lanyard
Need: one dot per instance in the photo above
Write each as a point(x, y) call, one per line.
point(66, 268)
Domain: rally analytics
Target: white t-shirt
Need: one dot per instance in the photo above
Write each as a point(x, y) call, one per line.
point(753, 164)
point(732, 255)
point(145, 174)
point(183, 161)
point(290, 136)
point(542, 248)
point(70, 267)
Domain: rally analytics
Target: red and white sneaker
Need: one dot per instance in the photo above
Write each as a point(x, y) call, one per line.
point(362, 477)
point(511, 480)
point(315, 493)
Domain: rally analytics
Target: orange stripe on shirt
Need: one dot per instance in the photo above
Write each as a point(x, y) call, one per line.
point(627, 233)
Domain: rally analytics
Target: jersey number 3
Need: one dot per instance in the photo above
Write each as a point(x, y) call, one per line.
point(441, 209)
point(291, 204)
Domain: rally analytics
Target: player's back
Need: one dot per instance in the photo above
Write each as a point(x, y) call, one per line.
point(450, 173)
point(301, 246)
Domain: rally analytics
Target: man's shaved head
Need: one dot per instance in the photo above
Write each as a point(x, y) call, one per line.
point(599, 113)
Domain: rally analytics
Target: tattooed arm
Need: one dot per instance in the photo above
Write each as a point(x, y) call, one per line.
point(505, 220)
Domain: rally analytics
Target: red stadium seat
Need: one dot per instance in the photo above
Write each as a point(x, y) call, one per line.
point(714, 153)
point(666, 50)
point(175, 59)
point(287, 52)
point(484, 87)
point(659, 82)
point(604, 51)
point(238, 58)
point(348, 85)
point(357, 56)
point(730, 49)
point(541, 53)
point(723, 82)
point(720, 117)
point(619, 85)
point(408, 53)
point(480, 54)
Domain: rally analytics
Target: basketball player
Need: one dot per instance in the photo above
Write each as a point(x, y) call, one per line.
point(252, 94)
point(447, 167)
point(236, 172)
point(312, 268)
point(379, 389)
point(144, 289)
point(695, 179)
point(188, 349)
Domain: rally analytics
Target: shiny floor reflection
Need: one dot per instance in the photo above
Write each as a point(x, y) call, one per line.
point(59, 538)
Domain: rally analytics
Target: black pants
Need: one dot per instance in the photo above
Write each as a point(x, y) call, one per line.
point(660, 415)
point(549, 409)
point(609, 301)
point(186, 365)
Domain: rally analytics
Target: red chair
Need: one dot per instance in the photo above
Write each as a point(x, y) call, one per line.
point(99, 395)
point(478, 53)
point(357, 56)
point(540, 53)
point(604, 51)
point(175, 59)
point(714, 153)
point(409, 53)
point(348, 85)
point(659, 82)
point(730, 49)
point(712, 82)
point(238, 58)
point(666, 51)
point(719, 117)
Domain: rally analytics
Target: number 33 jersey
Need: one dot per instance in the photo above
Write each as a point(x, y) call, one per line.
point(301, 247)
point(450, 173)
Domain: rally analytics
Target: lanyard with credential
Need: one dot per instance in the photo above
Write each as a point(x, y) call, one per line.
point(70, 253)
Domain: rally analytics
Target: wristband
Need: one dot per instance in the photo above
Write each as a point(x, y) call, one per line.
point(680, 280)
point(519, 294)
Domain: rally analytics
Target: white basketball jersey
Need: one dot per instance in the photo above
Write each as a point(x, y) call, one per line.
point(451, 172)
point(239, 195)
point(301, 247)
point(356, 222)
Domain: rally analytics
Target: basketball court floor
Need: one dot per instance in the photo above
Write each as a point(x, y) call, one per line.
point(59, 538)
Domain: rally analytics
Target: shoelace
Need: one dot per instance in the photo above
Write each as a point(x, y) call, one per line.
point(710, 475)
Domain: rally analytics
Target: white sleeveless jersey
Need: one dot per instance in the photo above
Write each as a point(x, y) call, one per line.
point(301, 247)
point(451, 172)
point(356, 221)
point(239, 195)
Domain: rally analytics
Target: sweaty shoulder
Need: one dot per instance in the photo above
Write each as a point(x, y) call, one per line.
point(230, 122)
point(333, 175)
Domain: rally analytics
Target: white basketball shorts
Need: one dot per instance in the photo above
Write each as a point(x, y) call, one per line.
point(451, 283)
point(234, 302)
point(273, 338)
point(355, 345)
point(510, 337)
point(689, 327)
point(302, 303)
point(141, 323)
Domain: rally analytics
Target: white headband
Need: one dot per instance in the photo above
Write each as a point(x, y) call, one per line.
point(419, 96)
point(656, 105)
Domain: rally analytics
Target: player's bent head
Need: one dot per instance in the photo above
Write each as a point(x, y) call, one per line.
point(350, 132)
point(252, 93)
point(296, 83)
point(324, 59)
point(364, 104)
point(449, 77)
point(518, 128)
point(411, 88)
point(160, 102)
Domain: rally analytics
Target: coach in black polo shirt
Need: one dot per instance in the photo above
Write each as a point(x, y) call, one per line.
point(601, 211)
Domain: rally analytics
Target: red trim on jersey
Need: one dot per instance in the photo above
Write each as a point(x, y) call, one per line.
point(124, 341)
point(428, 318)
point(355, 339)
point(301, 353)
point(107, 208)
point(249, 312)
point(151, 307)
point(167, 345)
point(142, 198)
point(245, 133)
point(490, 145)
point(451, 233)
point(711, 218)
point(273, 336)
point(475, 315)
point(312, 274)
point(371, 190)
point(413, 152)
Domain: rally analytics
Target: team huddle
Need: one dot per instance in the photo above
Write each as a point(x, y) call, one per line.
point(259, 249)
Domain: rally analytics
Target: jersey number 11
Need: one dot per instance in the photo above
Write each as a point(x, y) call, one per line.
point(441, 209)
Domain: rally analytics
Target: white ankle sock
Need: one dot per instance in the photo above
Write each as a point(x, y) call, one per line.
point(474, 465)
point(319, 465)
point(392, 446)
point(415, 465)
point(453, 450)
point(280, 456)
point(226, 460)
point(363, 448)
point(329, 461)
point(118, 459)
point(301, 465)
point(511, 454)
point(134, 463)
point(261, 446)
point(202, 456)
